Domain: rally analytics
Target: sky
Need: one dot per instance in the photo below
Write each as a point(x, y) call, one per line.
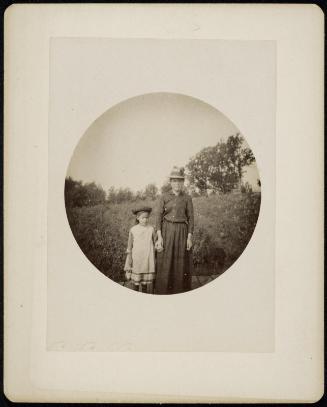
point(138, 141)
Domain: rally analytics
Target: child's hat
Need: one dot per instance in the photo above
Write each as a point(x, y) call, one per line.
point(177, 172)
point(142, 209)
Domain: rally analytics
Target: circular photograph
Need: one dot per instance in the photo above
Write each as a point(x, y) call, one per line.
point(162, 193)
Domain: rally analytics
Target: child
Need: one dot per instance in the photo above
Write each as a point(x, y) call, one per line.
point(140, 261)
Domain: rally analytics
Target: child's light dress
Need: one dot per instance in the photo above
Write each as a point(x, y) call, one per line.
point(141, 246)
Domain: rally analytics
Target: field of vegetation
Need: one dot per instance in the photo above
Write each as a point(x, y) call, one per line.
point(224, 224)
point(226, 211)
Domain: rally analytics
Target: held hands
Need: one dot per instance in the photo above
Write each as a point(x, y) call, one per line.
point(159, 244)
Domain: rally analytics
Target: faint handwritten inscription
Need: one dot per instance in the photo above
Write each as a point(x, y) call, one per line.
point(92, 346)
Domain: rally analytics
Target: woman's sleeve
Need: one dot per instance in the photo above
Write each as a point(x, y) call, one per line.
point(130, 242)
point(159, 213)
point(190, 215)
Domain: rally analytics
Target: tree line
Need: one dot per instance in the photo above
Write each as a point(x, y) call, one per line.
point(220, 168)
point(79, 194)
point(217, 169)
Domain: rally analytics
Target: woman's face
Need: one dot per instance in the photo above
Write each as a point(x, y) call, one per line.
point(176, 184)
point(143, 218)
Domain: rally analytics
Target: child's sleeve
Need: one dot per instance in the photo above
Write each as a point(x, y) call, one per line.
point(130, 242)
point(129, 262)
point(154, 236)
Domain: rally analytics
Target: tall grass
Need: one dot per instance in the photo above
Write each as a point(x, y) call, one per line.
point(224, 224)
point(223, 227)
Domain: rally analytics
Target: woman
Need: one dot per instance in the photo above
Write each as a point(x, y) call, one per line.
point(174, 225)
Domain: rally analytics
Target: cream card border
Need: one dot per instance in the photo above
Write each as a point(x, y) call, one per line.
point(295, 370)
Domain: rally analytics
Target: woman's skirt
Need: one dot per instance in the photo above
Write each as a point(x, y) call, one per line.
point(174, 263)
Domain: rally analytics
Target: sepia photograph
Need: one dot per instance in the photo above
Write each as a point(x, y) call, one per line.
point(162, 193)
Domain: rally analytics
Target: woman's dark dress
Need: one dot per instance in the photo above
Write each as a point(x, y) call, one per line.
point(175, 219)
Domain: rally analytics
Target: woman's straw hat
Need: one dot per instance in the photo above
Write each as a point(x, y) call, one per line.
point(177, 173)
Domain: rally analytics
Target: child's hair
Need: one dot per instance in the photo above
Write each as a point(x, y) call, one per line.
point(137, 215)
point(139, 210)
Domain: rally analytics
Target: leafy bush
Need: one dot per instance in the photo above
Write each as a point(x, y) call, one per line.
point(224, 224)
point(246, 188)
point(78, 194)
point(102, 232)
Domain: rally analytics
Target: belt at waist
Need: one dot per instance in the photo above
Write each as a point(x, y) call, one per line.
point(175, 221)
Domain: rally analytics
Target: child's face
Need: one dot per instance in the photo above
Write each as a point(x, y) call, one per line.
point(177, 184)
point(143, 218)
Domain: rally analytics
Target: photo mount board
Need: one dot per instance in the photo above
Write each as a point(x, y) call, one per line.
point(296, 364)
